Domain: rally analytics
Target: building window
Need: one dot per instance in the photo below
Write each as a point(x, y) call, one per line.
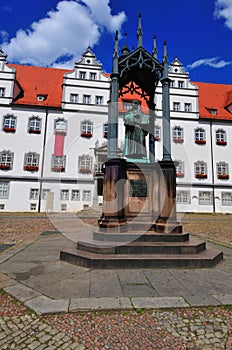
point(63, 207)
point(179, 168)
point(172, 83)
point(200, 136)
point(64, 195)
point(178, 134)
point(86, 128)
point(34, 125)
point(93, 76)
point(188, 107)
point(105, 131)
point(222, 171)
point(226, 198)
point(33, 206)
point(183, 197)
point(2, 206)
point(4, 189)
point(6, 160)
point(176, 106)
point(99, 100)
point(86, 196)
point(205, 198)
point(75, 195)
point(2, 92)
point(31, 161)
point(45, 193)
point(85, 164)
point(58, 163)
point(86, 99)
point(221, 137)
point(74, 98)
point(127, 104)
point(60, 126)
point(82, 75)
point(34, 193)
point(200, 170)
point(157, 133)
point(213, 111)
point(9, 123)
point(180, 84)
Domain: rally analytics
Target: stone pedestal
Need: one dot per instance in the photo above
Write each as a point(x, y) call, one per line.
point(166, 221)
point(113, 211)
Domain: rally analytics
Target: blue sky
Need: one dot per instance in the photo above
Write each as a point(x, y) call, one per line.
point(55, 33)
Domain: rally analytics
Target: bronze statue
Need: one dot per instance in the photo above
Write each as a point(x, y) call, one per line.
point(135, 132)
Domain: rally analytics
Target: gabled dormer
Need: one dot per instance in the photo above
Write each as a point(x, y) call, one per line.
point(7, 80)
point(86, 84)
point(88, 68)
point(179, 77)
point(88, 59)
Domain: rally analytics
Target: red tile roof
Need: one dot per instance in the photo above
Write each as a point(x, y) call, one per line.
point(214, 96)
point(40, 81)
point(48, 81)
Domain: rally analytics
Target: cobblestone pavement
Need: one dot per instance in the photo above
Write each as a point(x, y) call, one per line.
point(23, 330)
point(187, 329)
point(179, 329)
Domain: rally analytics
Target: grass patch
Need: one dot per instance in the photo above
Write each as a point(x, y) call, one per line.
point(5, 246)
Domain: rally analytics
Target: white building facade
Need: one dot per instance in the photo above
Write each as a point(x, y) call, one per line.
point(53, 137)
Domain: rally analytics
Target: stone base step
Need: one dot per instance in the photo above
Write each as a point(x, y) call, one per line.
point(149, 236)
point(137, 247)
point(205, 259)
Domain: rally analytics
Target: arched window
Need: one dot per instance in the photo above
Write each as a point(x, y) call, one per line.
point(178, 134)
point(34, 125)
point(200, 170)
point(31, 161)
point(9, 123)
point(85, 164)
point(200, 136)
point(58, 163)
point(221, 137)
point(86, 128)
point(223, 170)
point(157, 135)
point(6, 160)
point(60, 126)
point(179, 168)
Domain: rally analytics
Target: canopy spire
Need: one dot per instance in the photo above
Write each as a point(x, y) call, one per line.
point(165, 60)
point(154, 49)
point(139, 31)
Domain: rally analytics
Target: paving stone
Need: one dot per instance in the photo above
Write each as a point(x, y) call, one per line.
point(43, 305)
point(98, 288)
point(225, 299)
point(21, 292)
point(158, 302)
point(138, 290)
point(79, 304)
point(34, 345)
point(8, 282)
point(201, 300)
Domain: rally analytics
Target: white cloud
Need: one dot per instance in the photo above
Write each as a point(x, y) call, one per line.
point(223, 9)
point(4, 35)
point(64, 34)
point(213, 62)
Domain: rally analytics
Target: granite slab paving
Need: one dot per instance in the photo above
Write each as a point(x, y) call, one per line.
point(34, 275)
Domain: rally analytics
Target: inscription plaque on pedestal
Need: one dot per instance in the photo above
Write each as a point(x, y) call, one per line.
point(138, 188)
